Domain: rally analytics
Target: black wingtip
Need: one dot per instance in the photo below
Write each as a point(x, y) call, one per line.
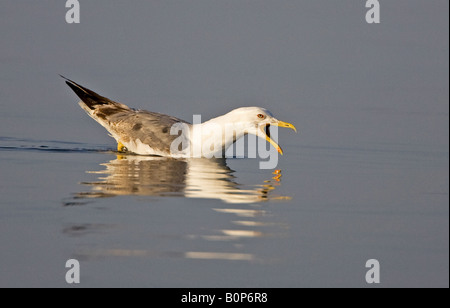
point(69, 81)
point(89, 97)
point(78, 91)
point(63, 77)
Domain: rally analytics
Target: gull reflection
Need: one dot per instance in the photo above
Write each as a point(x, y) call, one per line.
point(193, 178)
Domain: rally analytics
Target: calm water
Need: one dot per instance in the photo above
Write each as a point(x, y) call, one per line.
point(135, 221)
point(366, 177)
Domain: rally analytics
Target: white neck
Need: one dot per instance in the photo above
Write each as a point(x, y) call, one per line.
point(215, 136)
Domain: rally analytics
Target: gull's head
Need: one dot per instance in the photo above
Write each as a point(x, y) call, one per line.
point(257, 121)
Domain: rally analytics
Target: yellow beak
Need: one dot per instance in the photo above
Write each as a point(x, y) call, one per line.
point(285, 124)
point(279, 124)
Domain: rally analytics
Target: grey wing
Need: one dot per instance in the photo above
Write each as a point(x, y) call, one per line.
point(150, 128)
point(124, 123)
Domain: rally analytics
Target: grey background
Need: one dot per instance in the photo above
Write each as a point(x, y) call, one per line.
point(371, 103)
point(208, 57)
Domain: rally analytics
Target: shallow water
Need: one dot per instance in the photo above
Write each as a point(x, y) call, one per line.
point(366, 177)
point(148, 221)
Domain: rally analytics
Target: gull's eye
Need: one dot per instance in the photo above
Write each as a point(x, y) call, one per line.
point(261, 116)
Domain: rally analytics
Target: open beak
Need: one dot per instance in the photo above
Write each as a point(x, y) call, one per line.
point(266, 130)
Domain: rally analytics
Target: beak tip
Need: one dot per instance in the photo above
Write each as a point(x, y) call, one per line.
point(287, 125)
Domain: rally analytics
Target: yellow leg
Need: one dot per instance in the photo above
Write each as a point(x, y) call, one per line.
point(121, 147)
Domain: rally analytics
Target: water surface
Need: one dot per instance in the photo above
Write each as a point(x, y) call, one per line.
point(149, 221)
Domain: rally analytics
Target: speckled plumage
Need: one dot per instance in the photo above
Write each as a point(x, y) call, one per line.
point(128, 125)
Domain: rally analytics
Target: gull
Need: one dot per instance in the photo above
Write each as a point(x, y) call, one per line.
point(149, 133)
